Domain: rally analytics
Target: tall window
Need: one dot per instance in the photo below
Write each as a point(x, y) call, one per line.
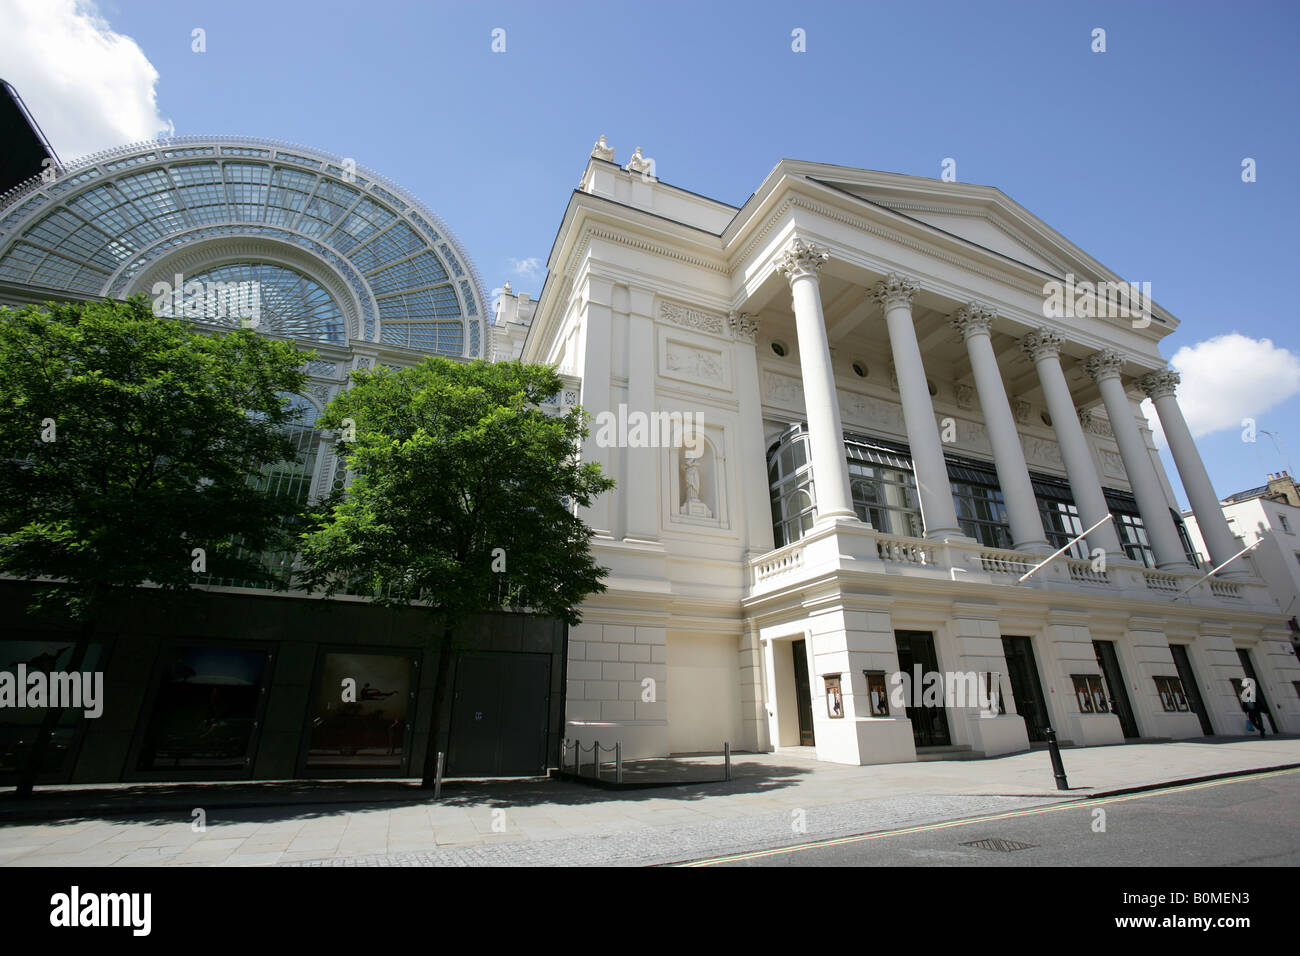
point(287, 479)
point(1061, 523)
point(1188, 548)
point(1133, 538)
point(982, 513)
point(789, 476)
point(886, 498)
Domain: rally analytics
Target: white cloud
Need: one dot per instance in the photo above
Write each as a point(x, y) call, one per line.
point(529, 268)
point(89, 87)
point(1228, 378)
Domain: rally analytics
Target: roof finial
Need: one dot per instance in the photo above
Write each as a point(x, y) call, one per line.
point(602, 150)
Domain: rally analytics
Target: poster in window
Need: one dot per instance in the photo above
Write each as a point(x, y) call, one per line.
point(1082, 693)
point(205, 711)
point(362, 706)
point(834, 698)
point(877, 693)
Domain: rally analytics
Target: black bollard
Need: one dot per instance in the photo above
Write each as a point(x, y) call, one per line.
point(1058, 768)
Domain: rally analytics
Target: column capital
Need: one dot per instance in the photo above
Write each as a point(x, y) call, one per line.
point(1160, 384)
point(800, 259)
point(1042, 343)
point(973, 319)
point(1104, 364)
point(743, 325)
point(894, 289)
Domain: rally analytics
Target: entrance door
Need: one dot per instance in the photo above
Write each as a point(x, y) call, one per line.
point(1025, 687)
point(929, 723)
point(1193, 692)
point(803, 691)
point(1244, 656)
point(499, 715)
point(1119, 702)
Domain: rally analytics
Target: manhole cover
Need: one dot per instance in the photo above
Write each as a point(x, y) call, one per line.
point(998, 845)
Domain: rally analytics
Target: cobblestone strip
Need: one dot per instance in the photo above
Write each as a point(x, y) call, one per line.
point(651, 845)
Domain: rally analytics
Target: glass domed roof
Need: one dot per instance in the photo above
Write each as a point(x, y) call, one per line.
point(344, 252)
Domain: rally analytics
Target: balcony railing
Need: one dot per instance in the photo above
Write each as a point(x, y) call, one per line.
point(905, 550)
point(834, 548)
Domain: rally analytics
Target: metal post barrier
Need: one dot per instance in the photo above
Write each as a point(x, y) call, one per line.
point(618, 761)
point(595, 757)
point(1058, 768)
point(726, 758)
point(437, 778)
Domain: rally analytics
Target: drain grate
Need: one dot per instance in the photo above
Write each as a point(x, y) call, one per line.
point(998, 845)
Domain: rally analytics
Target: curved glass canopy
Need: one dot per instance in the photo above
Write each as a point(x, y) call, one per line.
point(108, 221)
point(279, 299)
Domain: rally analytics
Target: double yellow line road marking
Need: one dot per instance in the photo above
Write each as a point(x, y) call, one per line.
point(970, 821)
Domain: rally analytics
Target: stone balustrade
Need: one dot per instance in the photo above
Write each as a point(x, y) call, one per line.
point(826, 549)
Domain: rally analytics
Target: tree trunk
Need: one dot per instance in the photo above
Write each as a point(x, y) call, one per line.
point(50, 722)
point(440, 690)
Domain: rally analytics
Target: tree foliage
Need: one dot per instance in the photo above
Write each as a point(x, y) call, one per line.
point(129, 441)
point(463, 492)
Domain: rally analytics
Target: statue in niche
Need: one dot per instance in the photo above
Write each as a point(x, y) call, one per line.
point(694, 506)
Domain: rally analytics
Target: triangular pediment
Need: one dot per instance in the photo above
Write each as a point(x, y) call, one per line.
point(980, 215)
point(979, 220)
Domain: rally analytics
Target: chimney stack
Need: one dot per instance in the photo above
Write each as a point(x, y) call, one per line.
point(1282, 487)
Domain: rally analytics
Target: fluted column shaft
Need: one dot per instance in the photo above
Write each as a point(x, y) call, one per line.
point(1044, 347)
point(800, 264)
point(1219, 540)
point(895, 295)
point(974, 321)
point(1104, 367)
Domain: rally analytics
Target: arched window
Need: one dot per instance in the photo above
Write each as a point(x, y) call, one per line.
point(789, 471)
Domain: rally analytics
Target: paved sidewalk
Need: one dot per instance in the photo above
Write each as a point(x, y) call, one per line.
point(773, 799)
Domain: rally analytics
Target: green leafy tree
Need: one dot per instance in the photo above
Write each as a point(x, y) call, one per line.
point(462, 499)
point(128, 444)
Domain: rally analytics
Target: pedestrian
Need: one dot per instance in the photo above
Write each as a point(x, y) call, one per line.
point(1250, 704)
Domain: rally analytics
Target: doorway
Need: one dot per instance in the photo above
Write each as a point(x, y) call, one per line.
point(1243, 655)
point(499, 715)
point(929, 722)
point(1022, 669)
point(1120, 706)
point(1185, 674)
point(803, 692)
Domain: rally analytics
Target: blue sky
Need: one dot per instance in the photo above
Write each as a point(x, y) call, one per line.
point(1134, 154)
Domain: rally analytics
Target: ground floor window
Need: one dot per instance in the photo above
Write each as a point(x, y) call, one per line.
point(19, 725)
point(205, 709)
point(362, 711)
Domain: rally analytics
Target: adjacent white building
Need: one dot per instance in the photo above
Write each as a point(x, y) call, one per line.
point(892, 426)
point(1270, 515)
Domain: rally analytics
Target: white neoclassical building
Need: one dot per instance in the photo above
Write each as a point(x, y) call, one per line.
point(894, 430)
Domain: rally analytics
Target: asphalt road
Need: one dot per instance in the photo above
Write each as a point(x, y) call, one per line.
point(1241, 821)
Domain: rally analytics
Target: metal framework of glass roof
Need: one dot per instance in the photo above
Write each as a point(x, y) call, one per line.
point(107, 222)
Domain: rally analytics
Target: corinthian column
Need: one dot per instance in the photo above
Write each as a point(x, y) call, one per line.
point(895, 294)
point(974, 321)
point(1044, 347)
point(1161, 387)
point(1104, 367)
point(800, 263)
